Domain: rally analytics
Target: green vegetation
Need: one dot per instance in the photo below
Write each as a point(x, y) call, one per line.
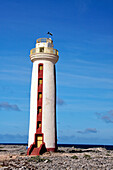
point(61, 151)
point(82, 150)
point(3, 150)
point(108, 154)
point(97, 151)
point(74, 157)
point(38, 159)
point(87, 156)
point(76, 151)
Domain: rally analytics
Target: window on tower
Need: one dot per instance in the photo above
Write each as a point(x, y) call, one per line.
point(39, 109)
point(42, 49)
point(40, 67)
point(39, 95)
point(40, 81)
point(39, 140)
point(38, 124)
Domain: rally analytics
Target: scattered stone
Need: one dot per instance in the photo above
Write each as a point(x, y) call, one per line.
point(13, 157)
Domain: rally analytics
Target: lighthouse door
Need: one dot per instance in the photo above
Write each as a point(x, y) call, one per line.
point(39, 141)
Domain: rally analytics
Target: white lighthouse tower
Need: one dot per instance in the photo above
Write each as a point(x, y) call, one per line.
point(42, 126)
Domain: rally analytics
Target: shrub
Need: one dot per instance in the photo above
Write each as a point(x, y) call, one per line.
point(74, 157)
point(108, 154)
point(87, 156)
point(38, 159)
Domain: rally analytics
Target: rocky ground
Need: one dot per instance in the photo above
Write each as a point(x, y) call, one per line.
point(14, 157)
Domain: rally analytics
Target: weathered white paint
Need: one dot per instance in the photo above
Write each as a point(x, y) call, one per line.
point(48, 105)
point(33, 103)
point(48, 98)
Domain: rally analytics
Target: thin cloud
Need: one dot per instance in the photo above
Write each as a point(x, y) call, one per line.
point(88, 130)
point(64, 138)
point(15, 73)
point(107, 117)
point(84, 81)
point(83, 6)
point(10, 138)
point(60, 101)
point(107, 80)
point(7, 106)
point(84, 139)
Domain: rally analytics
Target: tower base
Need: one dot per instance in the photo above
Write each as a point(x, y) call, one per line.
point(51, 149)
point(33, 150)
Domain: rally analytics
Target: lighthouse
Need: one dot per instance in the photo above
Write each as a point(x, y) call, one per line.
point(42, 125)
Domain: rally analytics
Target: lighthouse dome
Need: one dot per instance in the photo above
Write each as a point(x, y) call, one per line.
point(44, 42)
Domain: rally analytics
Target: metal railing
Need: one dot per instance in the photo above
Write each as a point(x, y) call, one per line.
point(44, 40)
point(44, 50)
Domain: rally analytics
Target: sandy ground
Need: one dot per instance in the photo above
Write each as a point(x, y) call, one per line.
point(15, 157)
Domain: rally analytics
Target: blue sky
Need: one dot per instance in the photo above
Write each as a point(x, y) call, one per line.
point(83, 34)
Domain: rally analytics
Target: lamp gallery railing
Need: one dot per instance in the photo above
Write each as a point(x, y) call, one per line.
point(49, 50)
point(44, 40)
